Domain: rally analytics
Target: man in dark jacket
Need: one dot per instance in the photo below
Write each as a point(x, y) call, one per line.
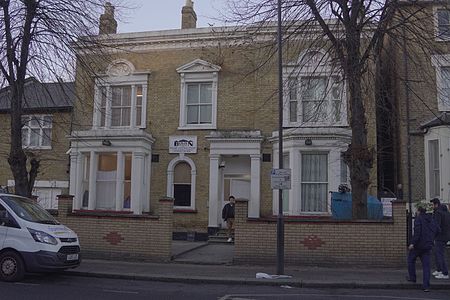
point(442, 218)
point(228, 216)
point(425, 229)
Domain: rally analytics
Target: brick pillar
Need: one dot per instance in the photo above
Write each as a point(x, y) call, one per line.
point(64, 206)
point(240, 219)
point(400, 219)
point(165, 212)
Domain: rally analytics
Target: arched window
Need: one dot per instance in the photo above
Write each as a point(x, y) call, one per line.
point(182, 184)
point(181, 174)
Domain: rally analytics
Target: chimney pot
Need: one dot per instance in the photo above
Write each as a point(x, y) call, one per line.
point(108, 24)
point(188, 16)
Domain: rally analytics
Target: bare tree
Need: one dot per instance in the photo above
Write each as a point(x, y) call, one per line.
point(37, 38)
point(354, 33)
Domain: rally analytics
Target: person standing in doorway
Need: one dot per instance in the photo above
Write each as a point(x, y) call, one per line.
point(228, 216)
point(442, 218)
point(425, 229)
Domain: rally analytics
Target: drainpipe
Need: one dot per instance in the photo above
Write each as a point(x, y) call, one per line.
point(408, 146)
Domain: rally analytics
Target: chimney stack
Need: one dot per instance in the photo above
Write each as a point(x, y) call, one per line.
point(108, 25)
point(188, 16)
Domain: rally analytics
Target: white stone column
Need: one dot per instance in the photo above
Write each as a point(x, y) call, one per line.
point(92, 180)
point(133, 107)
point(76, 177)
point(144, 107)
point(147, 181)
point(120, 180)
point(213, 216)
point(73, 172)
point(137, 180)
point(108, 111)
point(97, 106)
point(294, 161)
point(255, 186)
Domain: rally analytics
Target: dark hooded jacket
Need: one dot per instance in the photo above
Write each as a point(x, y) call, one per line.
point(442, 218)
point(425, 230)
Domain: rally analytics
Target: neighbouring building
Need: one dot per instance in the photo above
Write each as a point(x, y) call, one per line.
point(191, 114)
point(417, 135)
point(47, 120)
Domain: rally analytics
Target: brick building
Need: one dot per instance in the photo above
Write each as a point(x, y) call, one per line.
point(47, 121)
point(416, 126)
point(175, 113)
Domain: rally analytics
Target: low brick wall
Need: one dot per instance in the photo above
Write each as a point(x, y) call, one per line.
point(121, 236)
point(323, 242)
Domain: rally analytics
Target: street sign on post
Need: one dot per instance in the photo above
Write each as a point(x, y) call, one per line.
point(280, 179)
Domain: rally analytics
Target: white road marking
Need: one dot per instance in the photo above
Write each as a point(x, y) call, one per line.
point(120, 292)
point(245, 296)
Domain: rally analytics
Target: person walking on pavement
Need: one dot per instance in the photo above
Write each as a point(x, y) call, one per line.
point(425, 229)
point(442, 218)
point(228, 216)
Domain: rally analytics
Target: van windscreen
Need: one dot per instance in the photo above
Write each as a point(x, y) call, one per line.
point(29, 210)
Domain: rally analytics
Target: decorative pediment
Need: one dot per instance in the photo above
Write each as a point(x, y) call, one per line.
point(313, 58)
point(120, 67)
point(198, 66)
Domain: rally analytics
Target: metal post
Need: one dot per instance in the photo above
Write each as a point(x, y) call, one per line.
point(408, 135)
point(280, 220)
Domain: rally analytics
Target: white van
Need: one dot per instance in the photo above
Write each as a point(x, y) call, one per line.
point(31, 240)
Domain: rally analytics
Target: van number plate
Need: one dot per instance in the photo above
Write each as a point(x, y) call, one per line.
point(72, 257)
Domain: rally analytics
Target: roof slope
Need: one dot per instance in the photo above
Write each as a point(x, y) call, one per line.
point(42, 96)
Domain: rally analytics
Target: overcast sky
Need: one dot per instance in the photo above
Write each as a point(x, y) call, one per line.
point(166, 14)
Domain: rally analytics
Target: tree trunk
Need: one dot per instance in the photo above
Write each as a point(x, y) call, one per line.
point(358, 156)
point(17, 158)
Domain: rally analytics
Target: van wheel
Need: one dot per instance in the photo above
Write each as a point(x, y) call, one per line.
point(11, 266)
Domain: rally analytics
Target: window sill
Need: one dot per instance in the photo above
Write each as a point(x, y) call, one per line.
point(184, 210)
point(37, 148)
point(198, 127)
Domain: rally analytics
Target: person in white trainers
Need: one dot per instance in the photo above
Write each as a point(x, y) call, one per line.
point(228, 216)
point(442, 218)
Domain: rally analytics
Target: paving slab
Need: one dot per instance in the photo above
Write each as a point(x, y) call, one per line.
point(182, 247)
point(209, 254)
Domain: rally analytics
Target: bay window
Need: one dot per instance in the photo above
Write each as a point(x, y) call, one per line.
point(120, 106)
point(314, 182)
point(314, 94)
point(433, 169)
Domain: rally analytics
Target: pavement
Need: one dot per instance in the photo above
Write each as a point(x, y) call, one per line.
point(195, 262)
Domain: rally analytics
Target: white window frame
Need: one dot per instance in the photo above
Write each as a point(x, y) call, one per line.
point(122, 76)
point(198, 71)
point(436, 23)
point(41, 126)
point(314, 152)
point(295, 147)
point(438, 62)
point(307, 69)
point(170, 177)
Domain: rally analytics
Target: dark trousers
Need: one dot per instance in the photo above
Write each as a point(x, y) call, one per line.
point(424, 256)
point(439, 255)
